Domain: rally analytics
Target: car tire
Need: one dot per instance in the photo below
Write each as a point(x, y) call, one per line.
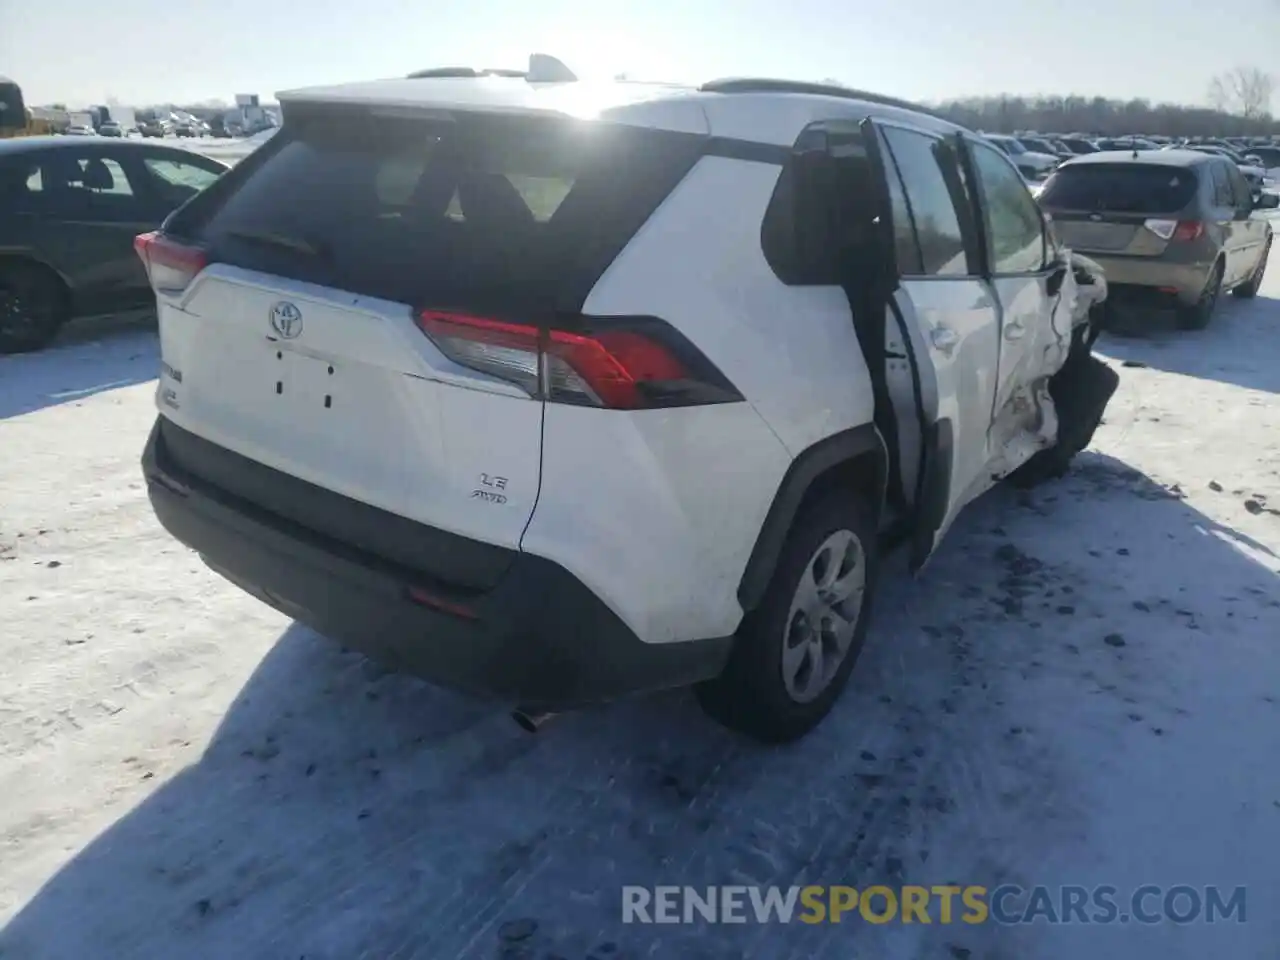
point(826, 573)
point(33, 306)
point(1197, 316)
point(1249, 289)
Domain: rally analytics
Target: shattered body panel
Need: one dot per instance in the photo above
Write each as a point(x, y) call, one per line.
point(1029, 422)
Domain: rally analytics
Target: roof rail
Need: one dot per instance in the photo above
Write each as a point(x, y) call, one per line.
point(542, 69)
point(767, 85)
point(445, 72)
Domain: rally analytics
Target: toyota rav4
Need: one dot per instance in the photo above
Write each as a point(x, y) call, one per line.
point(557, 392)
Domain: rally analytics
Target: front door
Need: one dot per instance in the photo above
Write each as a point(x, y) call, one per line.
point(947, 320)
point(1017, 252)
point(1248, 233)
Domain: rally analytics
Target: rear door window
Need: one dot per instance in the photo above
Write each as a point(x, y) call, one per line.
point(1241, 192)
point(1120, 188)
point(919, 159)
point(1222, 195)
point(1015, 230)
point(459, 210)
point(79, 186)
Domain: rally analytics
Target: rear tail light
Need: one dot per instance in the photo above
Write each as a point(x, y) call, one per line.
point(171, 266)
point(631, 363)
point(1189, 230)
point(1180, 230)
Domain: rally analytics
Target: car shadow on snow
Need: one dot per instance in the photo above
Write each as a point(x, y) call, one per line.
point(1241, 346)
point(91, 356)
point(340, 811)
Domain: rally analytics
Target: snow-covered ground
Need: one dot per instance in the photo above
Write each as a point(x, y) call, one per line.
point(1082, 688)
point(230, 151)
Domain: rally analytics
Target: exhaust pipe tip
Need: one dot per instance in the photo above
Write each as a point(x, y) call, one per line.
point(530, 721)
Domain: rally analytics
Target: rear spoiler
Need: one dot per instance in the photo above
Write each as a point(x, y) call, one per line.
point(542, 69)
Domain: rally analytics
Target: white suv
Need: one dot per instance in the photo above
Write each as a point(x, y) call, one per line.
point(558, 392)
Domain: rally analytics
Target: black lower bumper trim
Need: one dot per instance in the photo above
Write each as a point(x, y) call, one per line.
point(540, 637)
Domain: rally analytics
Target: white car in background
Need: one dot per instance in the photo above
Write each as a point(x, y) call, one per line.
point(1269, 158)
point(1032, 165)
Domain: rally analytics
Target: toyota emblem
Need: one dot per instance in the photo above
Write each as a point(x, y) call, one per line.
point(286, 320)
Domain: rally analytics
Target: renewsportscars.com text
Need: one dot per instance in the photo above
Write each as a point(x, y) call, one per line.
point(943, 904)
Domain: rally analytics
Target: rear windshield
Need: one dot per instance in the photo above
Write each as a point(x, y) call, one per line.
point(452, 210)
point(1270, 156)
point(1121, 188)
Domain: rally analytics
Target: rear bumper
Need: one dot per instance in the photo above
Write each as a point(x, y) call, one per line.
point(538, 638)
point(1153, 278)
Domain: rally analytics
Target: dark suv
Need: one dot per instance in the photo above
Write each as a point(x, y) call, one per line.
point(70, 208)
point(1171, 226)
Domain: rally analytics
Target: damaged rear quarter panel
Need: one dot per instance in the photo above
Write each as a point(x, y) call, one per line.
point(1027, 422)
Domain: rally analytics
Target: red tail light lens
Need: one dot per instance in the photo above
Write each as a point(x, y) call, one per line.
point(619, 363)
point(1175, 229)
point(1188, 230)
point(171, 266)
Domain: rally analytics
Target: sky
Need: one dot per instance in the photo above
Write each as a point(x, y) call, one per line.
point(148, 51)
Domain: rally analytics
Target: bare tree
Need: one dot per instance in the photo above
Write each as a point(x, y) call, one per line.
point(1245, 91)
point(1219, 98)
point(1100, 116)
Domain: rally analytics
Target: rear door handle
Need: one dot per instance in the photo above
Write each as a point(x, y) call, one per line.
point(944, 339)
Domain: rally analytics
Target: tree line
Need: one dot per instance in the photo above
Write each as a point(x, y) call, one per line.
point(1239, 105)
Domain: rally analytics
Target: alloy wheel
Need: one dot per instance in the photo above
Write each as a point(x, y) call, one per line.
point(824, 616)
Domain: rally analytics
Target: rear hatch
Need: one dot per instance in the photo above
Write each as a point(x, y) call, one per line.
point(1118, 208)
point(299, 296)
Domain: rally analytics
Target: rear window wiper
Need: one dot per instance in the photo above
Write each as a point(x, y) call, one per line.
point(284, 240)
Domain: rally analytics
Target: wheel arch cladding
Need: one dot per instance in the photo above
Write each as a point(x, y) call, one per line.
point(855, 460)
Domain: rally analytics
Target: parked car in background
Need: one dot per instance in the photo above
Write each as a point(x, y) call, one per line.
point(1079, 145)
point(80, 130)
point(1268, 159)
point(1126, 143)
point(1254, 174)
point(153, 127)
point(69, 211)
point(1031, 164)
point(1046, 146)
point(1169, 227)
point(111, 128)
point(583, 289)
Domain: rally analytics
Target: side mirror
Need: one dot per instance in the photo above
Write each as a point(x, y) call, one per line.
point(1267, 201)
